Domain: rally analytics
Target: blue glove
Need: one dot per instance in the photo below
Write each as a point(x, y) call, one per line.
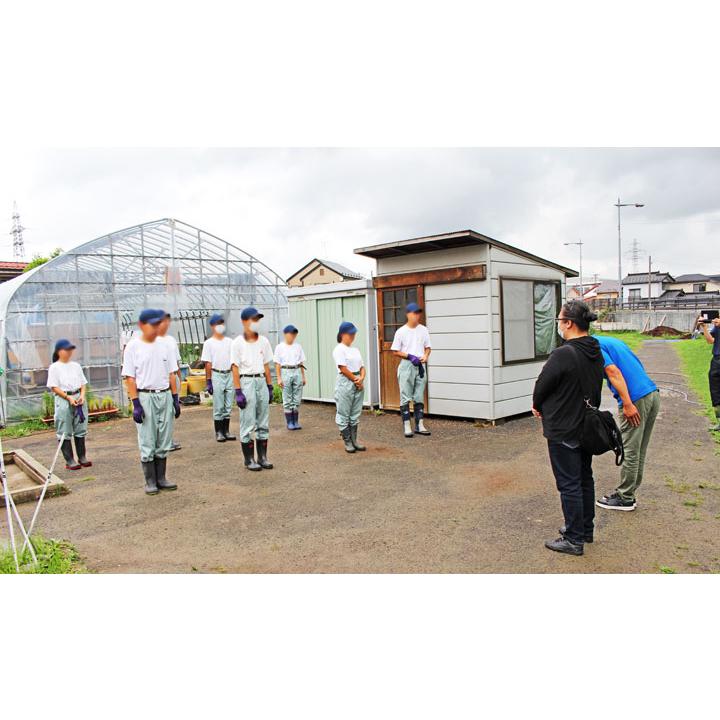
point(270, 393)
point(415, 360)
point(176, 404)
point(240, 398)
point(79, 414)
point(209, 387)
point(138, 412)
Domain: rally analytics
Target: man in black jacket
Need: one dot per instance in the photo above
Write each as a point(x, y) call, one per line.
point(573, 372)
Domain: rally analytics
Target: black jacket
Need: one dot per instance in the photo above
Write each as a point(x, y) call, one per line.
point(558, 396)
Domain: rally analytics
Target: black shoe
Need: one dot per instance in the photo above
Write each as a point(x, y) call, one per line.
point(151, 487)
point(219, 434)
point(262, 455)
point(80, 447)
point(615, 502)
point(162, 482)
point(226, 429)
point(67, 451)
point(562, 545)
point(354, 440)
point(586, 539)
point(248, 451)
point(346, 434)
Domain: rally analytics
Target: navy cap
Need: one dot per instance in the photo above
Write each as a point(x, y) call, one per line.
point(216, 318)
point(290, 329)
point(347, 328)
point(153, 316)
point(250, 313)
point(413, 308)
point(64, 344)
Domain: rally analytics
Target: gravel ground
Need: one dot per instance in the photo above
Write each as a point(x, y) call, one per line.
point(467, 499)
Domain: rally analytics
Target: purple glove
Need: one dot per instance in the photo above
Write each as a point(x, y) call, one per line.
point(415, 360)
point(240, 398)
point(138, 412)
point(209, 387)
point(79, 414)
point(176, 404)
point(270, 393)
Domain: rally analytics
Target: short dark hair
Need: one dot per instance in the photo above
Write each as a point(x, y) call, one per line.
point(580, 313)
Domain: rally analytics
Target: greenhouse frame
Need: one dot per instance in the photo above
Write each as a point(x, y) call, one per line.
point(92, 294)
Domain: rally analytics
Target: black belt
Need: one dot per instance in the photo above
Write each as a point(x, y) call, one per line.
point(290, 367)
point(253, 375)
point(72, 392)
point(222, 372)
point(153, 391)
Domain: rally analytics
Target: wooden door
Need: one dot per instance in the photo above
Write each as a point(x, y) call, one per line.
point(391, 315)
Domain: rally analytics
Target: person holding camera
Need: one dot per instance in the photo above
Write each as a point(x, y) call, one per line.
point(712, 335)
point(559, 400)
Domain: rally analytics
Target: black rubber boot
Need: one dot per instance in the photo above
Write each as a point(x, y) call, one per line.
point(226, 430)
point(289, 418)
point(151, 487)
point(80, 448)
point(262, 455)
point(296, 414)
point(716, 428)
point(407, 425)
point(420, 428)
point(162, 482)
point(346, 434)
point(219, 434)
point(354, 440)
point(248, 451)
point(67, 451)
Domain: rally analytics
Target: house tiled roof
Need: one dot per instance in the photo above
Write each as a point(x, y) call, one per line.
point(12, 265)
point(341, 269)
point(638, 278)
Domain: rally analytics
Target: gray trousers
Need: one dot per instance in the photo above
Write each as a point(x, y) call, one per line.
point(156, 429)
point(255, 416)
point(223, 394)
point(412, 386)
point(348, 402)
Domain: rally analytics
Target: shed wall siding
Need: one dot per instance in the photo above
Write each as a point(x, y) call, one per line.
point(433, 260)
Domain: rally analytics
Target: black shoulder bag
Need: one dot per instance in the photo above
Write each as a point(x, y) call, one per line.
point(599, 433)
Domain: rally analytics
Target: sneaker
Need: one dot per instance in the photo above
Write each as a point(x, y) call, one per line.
point(615, 502)
point(587, 538)
point(562, 545)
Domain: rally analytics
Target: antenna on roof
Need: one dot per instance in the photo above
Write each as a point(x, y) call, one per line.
point(17, 233)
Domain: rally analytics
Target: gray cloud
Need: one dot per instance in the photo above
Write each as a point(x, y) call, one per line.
point(287, 205)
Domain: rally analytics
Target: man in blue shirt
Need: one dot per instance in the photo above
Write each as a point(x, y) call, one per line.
point(638, 406)
point(712, 335)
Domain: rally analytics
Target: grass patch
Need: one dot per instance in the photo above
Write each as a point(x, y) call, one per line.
point(678, 487)
point(21, 429)
point(695, 362)
point(692, 502)
point(55, 557)
point(632, 338)
point(667, 570)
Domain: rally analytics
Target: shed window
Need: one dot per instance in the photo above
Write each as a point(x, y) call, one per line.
point(529, 309)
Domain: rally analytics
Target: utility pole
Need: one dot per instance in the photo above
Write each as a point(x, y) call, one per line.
point(619, 205)
point(579, 243)
point(650, 283)
point(17, 233)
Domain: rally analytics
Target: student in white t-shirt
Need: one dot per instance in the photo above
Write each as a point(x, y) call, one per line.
point(150, 372)
point(175, 350)
point(251, 356)
point(412, 345)
point(67, 382)
point(349, 387)
point(290, 372)
point(218, 376)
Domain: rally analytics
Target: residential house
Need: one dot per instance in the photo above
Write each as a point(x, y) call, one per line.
point(321, 272)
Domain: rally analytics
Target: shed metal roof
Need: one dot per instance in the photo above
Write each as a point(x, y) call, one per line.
point(460, 238)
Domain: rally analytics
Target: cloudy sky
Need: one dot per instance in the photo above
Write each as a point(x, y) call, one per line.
point(287, 206)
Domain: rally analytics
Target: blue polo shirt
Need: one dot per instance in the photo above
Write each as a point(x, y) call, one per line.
point(715, 332)
point(616, 352)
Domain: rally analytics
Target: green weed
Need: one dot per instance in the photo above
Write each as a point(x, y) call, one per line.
point(55, 557)
point(21, 429)
point(667, 570)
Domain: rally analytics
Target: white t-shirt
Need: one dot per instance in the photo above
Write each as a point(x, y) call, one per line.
point(251, 357)
point(411, 340)
point(66, 375)
point(348, 356)
point(174, 349)
point(289, 354)
point(217, 353)
point(149, 363)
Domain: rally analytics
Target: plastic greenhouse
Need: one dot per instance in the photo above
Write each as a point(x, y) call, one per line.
point(92, 295)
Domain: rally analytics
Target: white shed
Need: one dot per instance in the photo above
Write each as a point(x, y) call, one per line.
point(490, 309)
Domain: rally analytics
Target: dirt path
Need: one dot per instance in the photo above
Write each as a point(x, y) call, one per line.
point(467, 499)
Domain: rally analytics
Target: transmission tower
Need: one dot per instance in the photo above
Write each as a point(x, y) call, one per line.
point(635, 253)
point(17, 233)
